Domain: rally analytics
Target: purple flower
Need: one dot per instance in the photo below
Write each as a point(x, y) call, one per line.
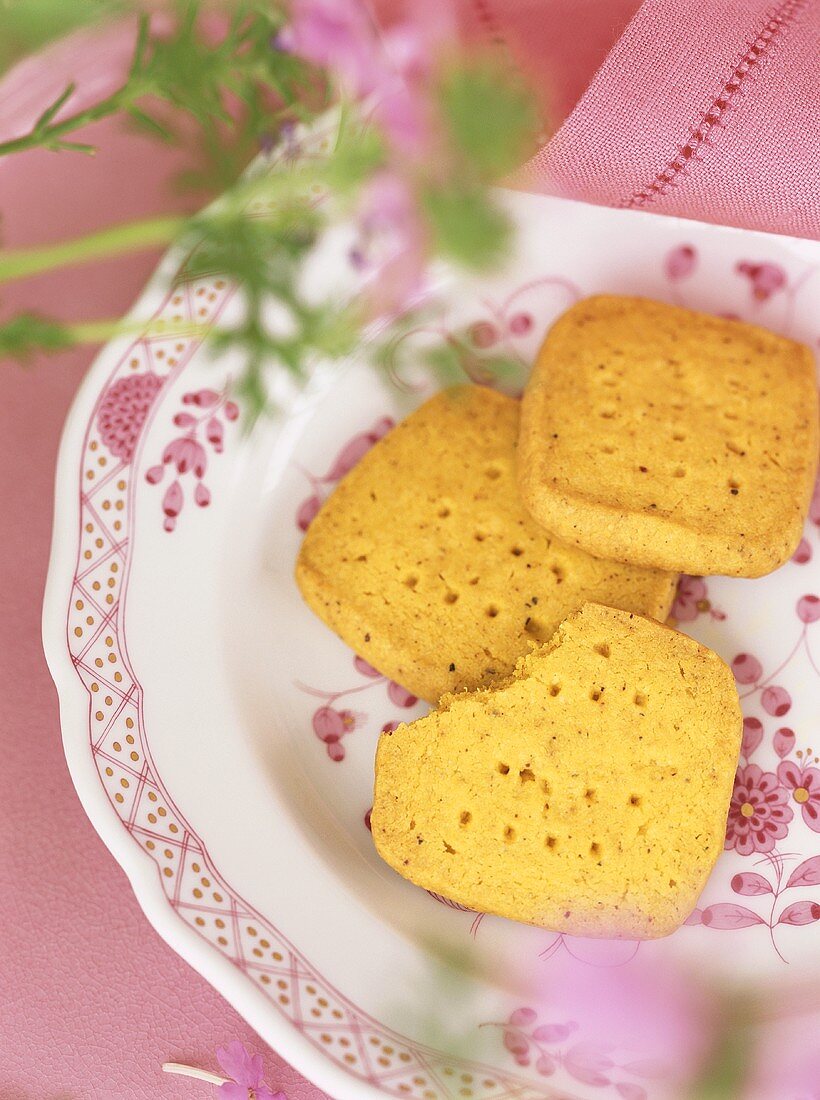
point(246, 1071)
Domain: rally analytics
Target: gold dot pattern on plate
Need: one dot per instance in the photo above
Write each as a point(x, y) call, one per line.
point(190, 881)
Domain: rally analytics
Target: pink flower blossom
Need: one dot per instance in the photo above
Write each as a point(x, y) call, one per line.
point(247, 1072)
point(123, 411)
point(338, 35)
point(392, 243)
point(758, 814)
point(680, 262)
point(690, 599)
point(186, 454)
point(804, 784)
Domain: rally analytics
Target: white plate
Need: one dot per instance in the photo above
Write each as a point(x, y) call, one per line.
point(221, 738)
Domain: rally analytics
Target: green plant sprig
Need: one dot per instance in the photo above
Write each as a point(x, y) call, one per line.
point(240, 92)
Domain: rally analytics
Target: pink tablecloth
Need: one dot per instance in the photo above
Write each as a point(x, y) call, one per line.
point(704, 116)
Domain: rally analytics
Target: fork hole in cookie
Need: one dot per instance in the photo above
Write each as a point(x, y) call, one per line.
point(734, 487)
point(673, 883)
point(448, 848)
point(509, 834)
point(634, 800)
point(479, 536)
point(639, 700)
point(526, 775)
point(517, 551)
point(474, 580)
point(502, 769)
point(595, 850)
point(450, 597)
point(493, 473)
point(551, 842)
point(492, 611)
point(555, 689)
point(595, 695)
point(607, 414)
point(679, 472)
point(602, 650)
point(443, 512)
point(590, 795)
point(411, 580)
point(607, 449)
point(558, 573)
point(466, 817)
point(678, 437)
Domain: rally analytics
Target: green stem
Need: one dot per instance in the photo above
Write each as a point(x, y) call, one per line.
point(100, 332)
point(51, 135)
point(116, 239)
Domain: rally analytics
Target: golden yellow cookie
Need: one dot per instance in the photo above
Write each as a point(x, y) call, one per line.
point(673, 439)
point(587, 794)
point(426, 563)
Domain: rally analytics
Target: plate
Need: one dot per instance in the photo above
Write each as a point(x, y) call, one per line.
point(221, 738)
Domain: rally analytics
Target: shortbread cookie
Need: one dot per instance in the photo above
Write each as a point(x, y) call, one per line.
point(658, 436)
point(426, 563)
point(587, 794)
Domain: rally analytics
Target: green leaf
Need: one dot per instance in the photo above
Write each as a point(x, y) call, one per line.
point(30, 332)
point(466, 226)
point(151, 126)
point(491, 117)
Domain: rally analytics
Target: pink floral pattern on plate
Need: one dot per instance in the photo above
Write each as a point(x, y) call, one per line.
point(187, 454)
point(550, 1046)
point(779, 891)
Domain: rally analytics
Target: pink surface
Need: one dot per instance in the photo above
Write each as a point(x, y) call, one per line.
point(92, 1001)
point(703, 110)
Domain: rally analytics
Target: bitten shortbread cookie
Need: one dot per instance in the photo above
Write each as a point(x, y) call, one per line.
point(426, 563)
point(673, 439)
point(587, 794)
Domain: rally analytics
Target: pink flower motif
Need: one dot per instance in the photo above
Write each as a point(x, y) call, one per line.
point(186, 454)
point(803, 553)
point(776, 701)
point(766, 279)
point(758, 814)
point(483, 334)
point(814, 506)
point(690, 599)
point(172, 503)
point(808, 608)
point(247, 1073)
point(365, 668)
point(331, 725)
point(400, 696)
point(520, 324)
point(804, 784)
point(681, 262)
point(123, 412)
point(747, 669)
point(307, 512)
point(752, 736)
point(783, 741)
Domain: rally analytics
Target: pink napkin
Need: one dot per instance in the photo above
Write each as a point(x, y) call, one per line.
point(702, 109)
